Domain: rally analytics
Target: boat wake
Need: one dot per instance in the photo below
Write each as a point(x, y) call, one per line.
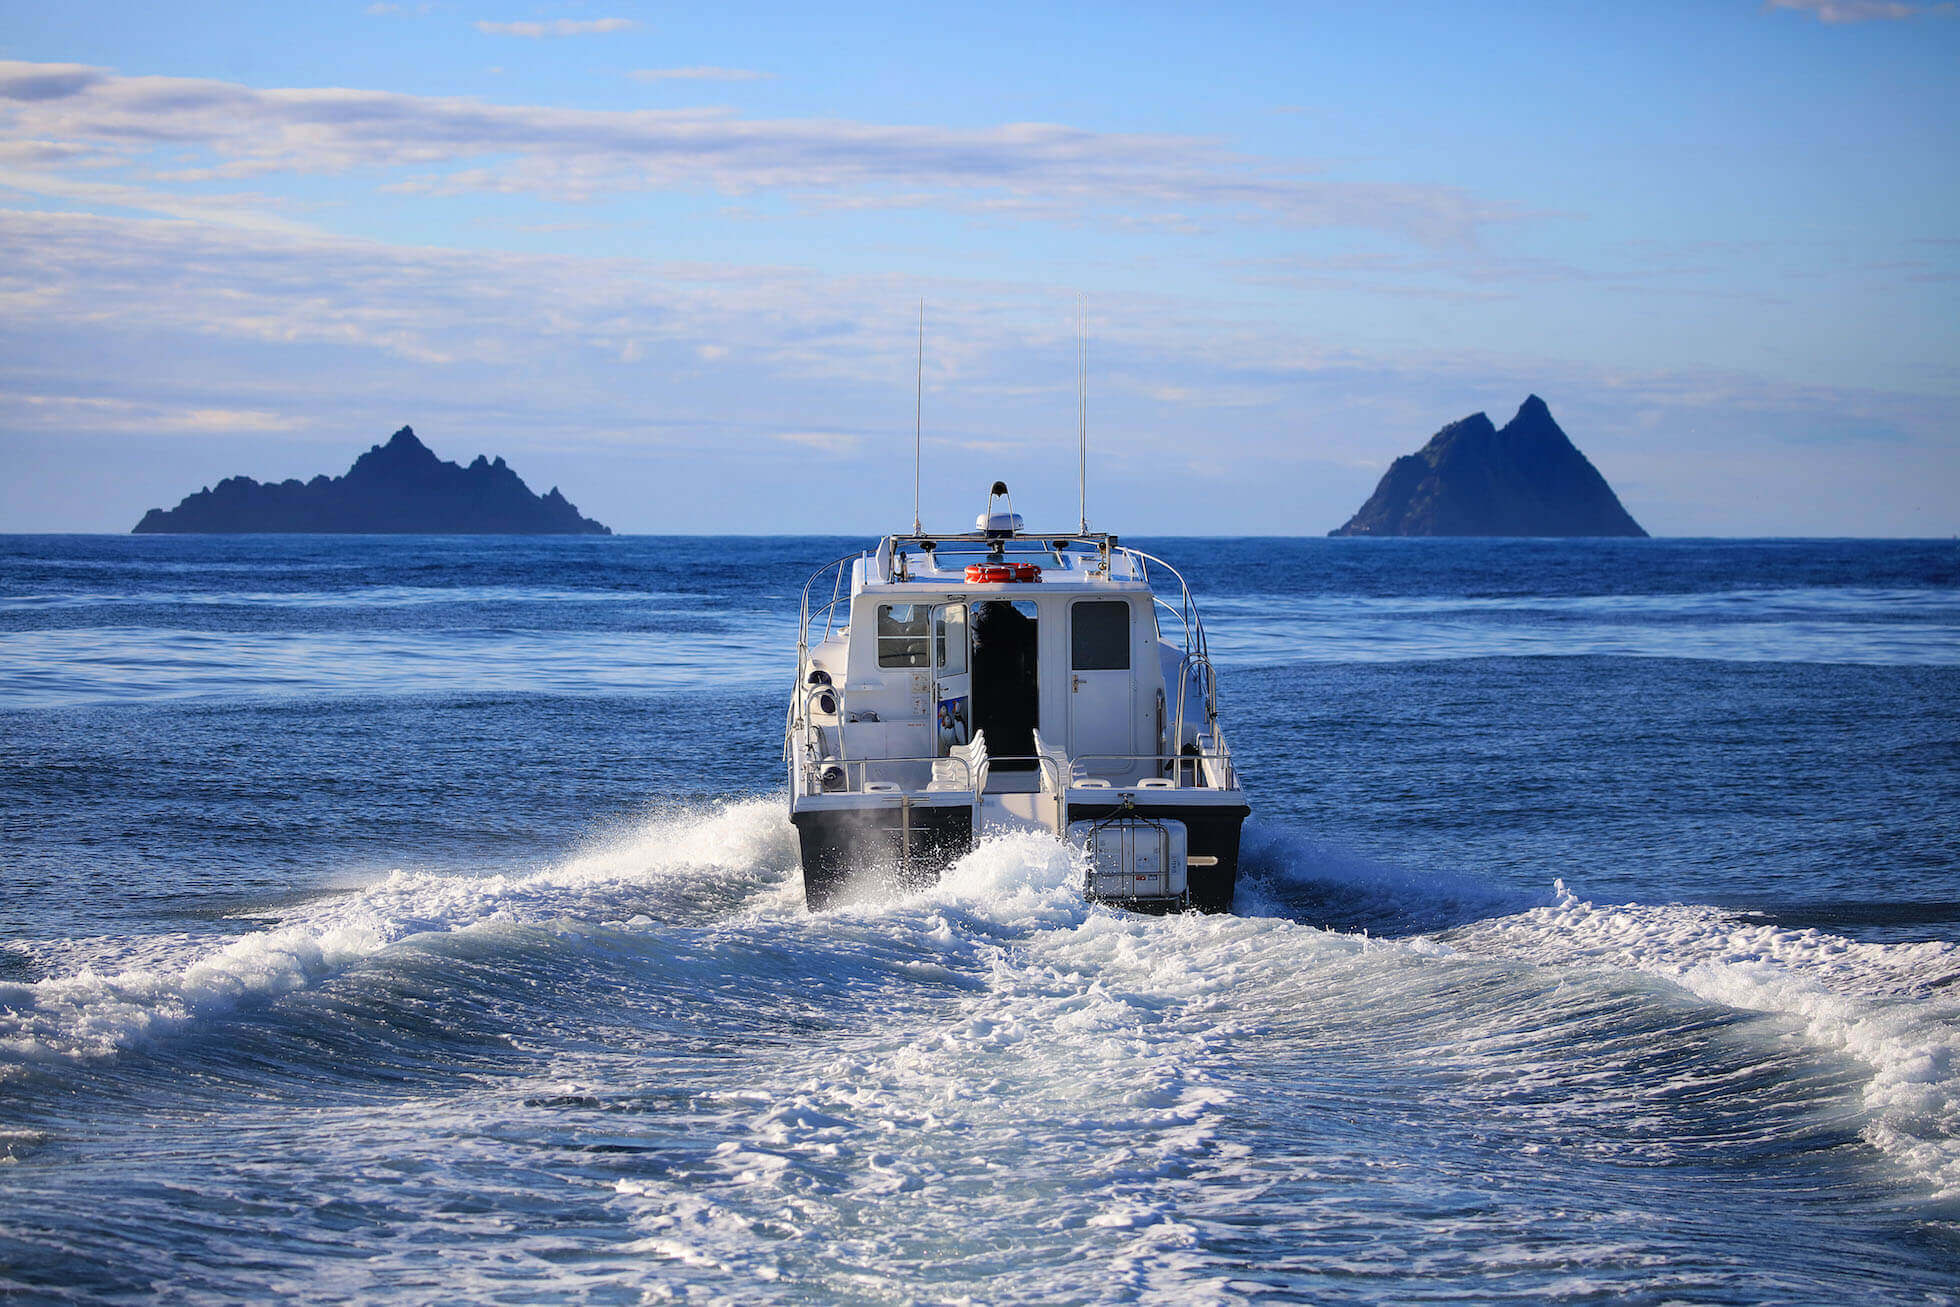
point(1099, 1056)
point(1891, 1007)
point(685, 867)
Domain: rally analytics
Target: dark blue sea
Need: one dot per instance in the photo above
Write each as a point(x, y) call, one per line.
point(417, 920)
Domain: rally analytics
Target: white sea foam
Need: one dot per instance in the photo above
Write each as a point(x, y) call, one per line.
point(1071, 1011)
point(1010, 1094)
point(1894, 1007)
point(743, 849)
point(1890, 1006)
point(1074, 1087)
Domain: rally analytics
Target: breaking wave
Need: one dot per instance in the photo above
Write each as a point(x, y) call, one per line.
point(1036, 1062)
point(1889, 1006)
point(683, 867)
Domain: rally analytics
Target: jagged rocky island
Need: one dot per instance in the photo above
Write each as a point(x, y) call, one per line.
point(400, 488)
point(1473, 479)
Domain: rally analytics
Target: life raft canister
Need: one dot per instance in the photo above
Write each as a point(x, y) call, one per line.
point(999, 573)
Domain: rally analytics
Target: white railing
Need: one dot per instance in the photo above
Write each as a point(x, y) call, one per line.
point(853, 775)
point(1185, 610)
point(837, 571)
point(1190, 668)
point(1199, 770)
point(963, 770)
point(798, 720)
point(1195, 665)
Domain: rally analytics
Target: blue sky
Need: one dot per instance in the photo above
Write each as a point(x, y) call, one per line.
point(669, 260)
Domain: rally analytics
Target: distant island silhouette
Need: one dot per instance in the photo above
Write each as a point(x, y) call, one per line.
point(400, 488)
point(1473, 479)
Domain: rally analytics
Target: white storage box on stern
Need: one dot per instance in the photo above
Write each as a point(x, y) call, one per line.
point(953, 685)
point(1131, 858)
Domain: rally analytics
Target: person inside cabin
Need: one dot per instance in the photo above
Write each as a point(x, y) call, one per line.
point(1004, 696)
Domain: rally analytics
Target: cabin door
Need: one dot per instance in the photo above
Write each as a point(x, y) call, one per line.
point(952, 678)
point(1102, 688)
point(1006, 681)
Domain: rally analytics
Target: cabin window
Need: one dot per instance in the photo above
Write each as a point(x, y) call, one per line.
point(1099, 636)
point(902, 631)
point(949, 640)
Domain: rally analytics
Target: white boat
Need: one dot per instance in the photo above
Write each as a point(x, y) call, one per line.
point(953, 686)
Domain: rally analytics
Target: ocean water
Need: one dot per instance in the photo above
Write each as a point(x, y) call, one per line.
point(417, 920)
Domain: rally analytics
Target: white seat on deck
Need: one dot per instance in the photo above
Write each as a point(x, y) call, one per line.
point(950, 774)
point(1156, 783)
point(1089, 783)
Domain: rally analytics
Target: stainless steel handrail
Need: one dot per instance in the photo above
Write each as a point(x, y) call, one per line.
point(1199, 665)
point(1196, 660)
point(836, 593)
point(1194, 625)
point(803, 620)
point(829, 613)
point(1221, 758)
point(1160, 602)
point(814, 785)
point(837, 585)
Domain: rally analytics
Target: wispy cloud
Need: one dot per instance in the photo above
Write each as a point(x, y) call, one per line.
point(510, 312)
point(25, 81)
point(1463, 277)
point(134, 417)
point(259, 212)
point(1037, 171)
point(702, 73)
point(229, 329)
point(557, 27)
point(1857, 11)
point(827, 442)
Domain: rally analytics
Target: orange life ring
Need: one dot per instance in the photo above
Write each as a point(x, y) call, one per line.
point(1001, 573)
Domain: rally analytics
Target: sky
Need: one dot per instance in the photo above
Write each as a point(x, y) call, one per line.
point(672, 259)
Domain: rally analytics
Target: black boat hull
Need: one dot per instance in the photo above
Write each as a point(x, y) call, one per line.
point(900, 847)
point(874, 848)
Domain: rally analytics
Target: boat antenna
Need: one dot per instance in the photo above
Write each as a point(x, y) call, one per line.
point(1082, 403)
point(918, 416)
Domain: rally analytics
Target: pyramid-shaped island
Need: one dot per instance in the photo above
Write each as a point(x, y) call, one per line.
point(400, 488)
point(1473, 479)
